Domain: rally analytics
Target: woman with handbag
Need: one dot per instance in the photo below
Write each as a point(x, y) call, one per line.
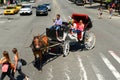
point(18, 63)
point(6, 66)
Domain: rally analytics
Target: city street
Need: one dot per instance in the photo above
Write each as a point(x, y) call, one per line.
point(100, 63)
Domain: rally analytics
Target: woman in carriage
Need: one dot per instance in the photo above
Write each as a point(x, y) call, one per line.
point(77, 27)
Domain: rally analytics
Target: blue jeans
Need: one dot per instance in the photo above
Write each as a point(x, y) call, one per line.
point(76, 31)
point(56, 27)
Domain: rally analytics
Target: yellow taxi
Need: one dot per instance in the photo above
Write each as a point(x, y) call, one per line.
point(18, 6)
point(10, 10)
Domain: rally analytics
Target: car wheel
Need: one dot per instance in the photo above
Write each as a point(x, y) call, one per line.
point(31, 13)
point(36, 14)
point(46, 14)
point(49, 9)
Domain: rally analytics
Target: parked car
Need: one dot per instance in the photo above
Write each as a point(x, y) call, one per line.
point(41, 10)
point(32, 1)
point(10, 10)
point(72, 1)
point(79, 2)
point(48, 6)
point(26, 9)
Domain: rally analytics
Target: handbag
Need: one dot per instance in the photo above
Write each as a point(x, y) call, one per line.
point(23, 62)
point(5, 67)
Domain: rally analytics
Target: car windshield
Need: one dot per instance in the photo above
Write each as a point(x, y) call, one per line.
point(46, 4)
point(18, 5)
point(10, 8)
point(41, 7)
point(26, 6)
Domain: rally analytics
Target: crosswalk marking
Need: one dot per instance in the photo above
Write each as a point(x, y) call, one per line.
point(67, 76)
point(115, 56)
point(82, 68)
point(111, 67)
point(98, 73)
point(67, 71)
point(50, 76)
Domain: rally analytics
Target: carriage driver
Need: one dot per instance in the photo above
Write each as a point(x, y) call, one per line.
point(57, 23)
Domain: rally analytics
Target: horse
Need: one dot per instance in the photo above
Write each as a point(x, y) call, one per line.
point(40, 44)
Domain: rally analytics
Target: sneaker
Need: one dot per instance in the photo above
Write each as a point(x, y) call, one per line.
point(27, 78)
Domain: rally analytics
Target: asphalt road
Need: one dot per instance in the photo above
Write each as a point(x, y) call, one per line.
point(100, 63)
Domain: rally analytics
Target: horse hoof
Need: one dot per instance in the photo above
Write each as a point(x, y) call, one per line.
point(40, 70)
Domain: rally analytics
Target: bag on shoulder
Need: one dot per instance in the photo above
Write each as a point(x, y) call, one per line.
point(5, 67)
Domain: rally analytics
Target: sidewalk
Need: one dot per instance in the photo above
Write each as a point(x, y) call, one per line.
point(114, 13)
point(96, 6)
point(2, 9)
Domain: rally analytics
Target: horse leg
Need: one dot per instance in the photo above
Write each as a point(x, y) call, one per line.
point(35, 57)
point(40, 57)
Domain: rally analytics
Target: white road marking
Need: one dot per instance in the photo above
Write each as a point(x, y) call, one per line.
point(98, 73)
point(9, 20)
point(67, 76)
point(82, 69)
point(66, 69)
point(58, 8)
point(111, 67)
point(115, 56)
point(50, 76)
point(2, 21)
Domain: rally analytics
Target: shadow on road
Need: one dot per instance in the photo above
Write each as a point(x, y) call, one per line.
point(93, 7)
point(20, 77)
point(53, 54)
point(75, 46)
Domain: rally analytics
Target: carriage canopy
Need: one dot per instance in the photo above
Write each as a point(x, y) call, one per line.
point(85, 18)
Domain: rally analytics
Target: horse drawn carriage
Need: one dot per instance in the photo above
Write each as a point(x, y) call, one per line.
point(65, 37)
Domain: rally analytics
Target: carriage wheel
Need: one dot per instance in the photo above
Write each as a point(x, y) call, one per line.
point(89, 40)
point(66, 48)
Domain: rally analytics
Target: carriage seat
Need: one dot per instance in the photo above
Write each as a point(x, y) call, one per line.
point(51, 32)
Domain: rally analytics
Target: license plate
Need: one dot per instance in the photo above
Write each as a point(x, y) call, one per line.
point(41, 13)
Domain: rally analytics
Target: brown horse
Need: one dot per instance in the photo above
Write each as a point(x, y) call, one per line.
point(40, 44)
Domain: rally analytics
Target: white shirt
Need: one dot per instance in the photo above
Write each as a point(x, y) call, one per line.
point(58, 22)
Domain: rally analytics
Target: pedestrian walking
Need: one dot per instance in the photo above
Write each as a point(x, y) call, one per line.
point(100, 12)
point(18, 64)
point(90, 1)
point(110, 12)
point(6, 66)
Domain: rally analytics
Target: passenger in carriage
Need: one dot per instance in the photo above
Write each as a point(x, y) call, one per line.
point(73, 25)
point(78, 28)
